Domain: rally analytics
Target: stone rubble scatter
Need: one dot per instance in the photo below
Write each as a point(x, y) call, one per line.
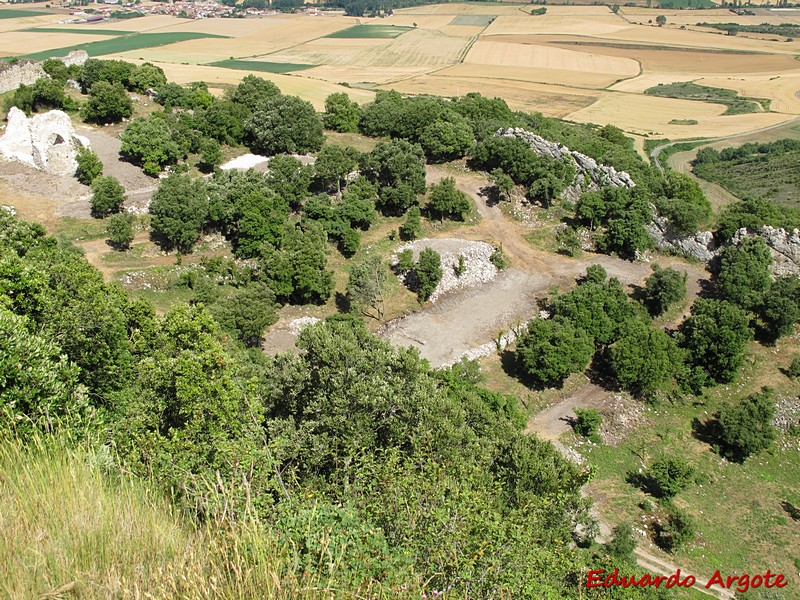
point(296, 326)
point(478, 268)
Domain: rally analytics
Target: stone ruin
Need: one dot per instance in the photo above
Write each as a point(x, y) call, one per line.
point(47, 141)
point(27, 72)
point(589, 174)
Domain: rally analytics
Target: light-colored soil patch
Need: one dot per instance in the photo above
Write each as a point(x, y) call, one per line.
point(382, 75)
point(781, 89)
point(494, 8)
point(664, 60)
point(593, 25)
point(27, 42)
point(274, 34)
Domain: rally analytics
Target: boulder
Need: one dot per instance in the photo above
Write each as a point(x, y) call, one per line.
point(47, 141)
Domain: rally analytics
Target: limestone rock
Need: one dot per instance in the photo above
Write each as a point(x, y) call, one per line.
point(700, 246)
point(47, 141)
point(783, 245)
point(589, 175)
point(23, 72)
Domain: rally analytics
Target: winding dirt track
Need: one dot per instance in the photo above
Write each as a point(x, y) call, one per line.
point(467, 319)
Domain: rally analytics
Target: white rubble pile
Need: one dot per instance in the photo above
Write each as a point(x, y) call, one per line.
point(478, 268)
point(47, 142)
point(589, 174)
point(296, 326)
point(245, 161)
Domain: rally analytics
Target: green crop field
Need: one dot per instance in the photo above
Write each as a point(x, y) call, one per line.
point(15, 13)
point(688, 90)
point(263, 66)
point(113, 32)
point(686, 4)
point(473, 20)
point(123, 44)
point(370, 31)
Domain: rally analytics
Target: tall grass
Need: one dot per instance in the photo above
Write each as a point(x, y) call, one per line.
point(71, 527)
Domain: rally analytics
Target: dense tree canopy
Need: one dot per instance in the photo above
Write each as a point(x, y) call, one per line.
point(341, 113)
point(284, 124)
point(107, 103)
point(179, 208)
point(746, 426)
point(715, 336)
point(149, 142)
point(551, 349)
point(743, 276)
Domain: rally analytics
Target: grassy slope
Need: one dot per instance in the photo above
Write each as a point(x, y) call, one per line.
point(68, 529)
point(776, 177)
point(742, 524)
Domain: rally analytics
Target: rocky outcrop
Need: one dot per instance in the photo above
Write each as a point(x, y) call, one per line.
point(76, 57)
point(783, 245)
point(700, 246)
point(46, 141)
point(23, 72)
point(589, 174)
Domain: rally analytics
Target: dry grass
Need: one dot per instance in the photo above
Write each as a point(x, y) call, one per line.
point(580, 69)
point(70, 529)
point(550, 100)
point(33, 41)
point(419, 47)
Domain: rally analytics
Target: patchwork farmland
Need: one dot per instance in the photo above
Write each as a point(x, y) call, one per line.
point(581, 62)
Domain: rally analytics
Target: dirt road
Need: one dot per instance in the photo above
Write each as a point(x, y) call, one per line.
point(465, 320)
point(551, 424)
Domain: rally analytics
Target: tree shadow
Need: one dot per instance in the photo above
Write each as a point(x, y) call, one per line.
point(791, 510)
point(601, 374)
point(640, 481)
point(491, 194)
point(708, 431)
point(639, 294)
point(343, 304)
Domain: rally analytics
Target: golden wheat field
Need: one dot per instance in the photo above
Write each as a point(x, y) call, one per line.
point(578, 61)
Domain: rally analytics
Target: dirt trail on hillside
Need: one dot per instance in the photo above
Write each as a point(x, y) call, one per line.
point(465, 320)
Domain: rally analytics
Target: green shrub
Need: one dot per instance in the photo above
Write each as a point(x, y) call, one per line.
point(120, 230)
point(587, 423)
point(107, 196)
point(669, 475)
point(677, 529)
point(89, 166)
